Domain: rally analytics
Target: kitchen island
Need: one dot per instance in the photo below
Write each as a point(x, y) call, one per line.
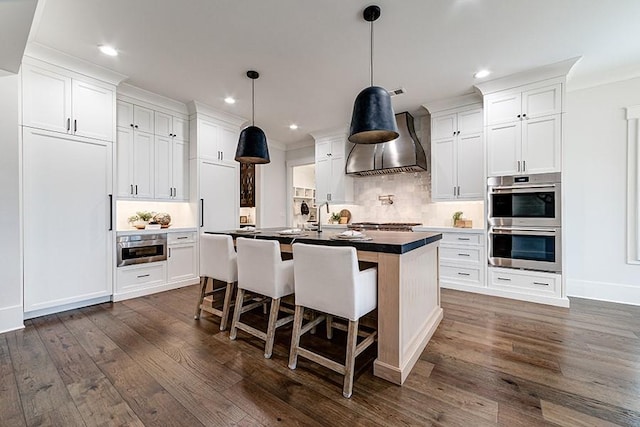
point(408, 289)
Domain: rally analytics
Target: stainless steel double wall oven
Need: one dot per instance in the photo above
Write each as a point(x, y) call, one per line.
point(525, 222)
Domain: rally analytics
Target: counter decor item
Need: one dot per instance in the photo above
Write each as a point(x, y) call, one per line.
point(304, 208)
point(345, 216)
point(162, 218)
point(141, 219)
point(460, 222)
point(335, 217)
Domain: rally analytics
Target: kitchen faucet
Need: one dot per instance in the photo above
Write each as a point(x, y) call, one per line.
point(320, 219)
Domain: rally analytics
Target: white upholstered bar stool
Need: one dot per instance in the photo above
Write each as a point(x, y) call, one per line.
point(218, 261)
point(328, 280)
point(262, 271)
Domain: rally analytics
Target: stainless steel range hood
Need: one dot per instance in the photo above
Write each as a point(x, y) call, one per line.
point(404, 154)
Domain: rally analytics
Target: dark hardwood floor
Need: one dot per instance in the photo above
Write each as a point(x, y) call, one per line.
point(492, 361)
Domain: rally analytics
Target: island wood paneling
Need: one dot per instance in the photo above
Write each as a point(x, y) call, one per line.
point(492, 361)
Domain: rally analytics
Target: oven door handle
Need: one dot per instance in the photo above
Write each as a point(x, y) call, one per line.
point(525, 188)
point(513, 230)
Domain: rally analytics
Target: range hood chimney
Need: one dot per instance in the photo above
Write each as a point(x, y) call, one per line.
point(403, 154)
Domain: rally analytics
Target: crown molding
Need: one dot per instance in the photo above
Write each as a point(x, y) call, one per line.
point(546, 72)
point(468, 100)
point(308, 142)
point(73, 64)
point(196, 107)
point(136, 95)
point(330, 133)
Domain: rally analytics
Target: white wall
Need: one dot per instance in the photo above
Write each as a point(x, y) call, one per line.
point(271, 197)
point(594, 186)
point(10, 244)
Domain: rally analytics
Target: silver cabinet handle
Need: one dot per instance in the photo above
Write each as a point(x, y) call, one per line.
point(504, 278)
point(463, 274)
point(540, 283)
point(143, 275)
point(463, 238)
point(464, 255)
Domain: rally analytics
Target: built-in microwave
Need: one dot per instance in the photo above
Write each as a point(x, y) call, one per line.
point(529, 200)
point(141, 248)
point(531, 248)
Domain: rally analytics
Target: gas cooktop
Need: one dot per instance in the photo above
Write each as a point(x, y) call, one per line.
point(383, 226)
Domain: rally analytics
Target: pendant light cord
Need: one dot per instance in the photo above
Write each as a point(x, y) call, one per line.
point(253, 103)
point(371, 64)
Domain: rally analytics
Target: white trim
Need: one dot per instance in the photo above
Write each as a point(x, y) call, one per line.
point(558, 69)
point(196, 107)
point(73, 64)
point(154, 289)
point(540, 299)
point(330, 133)
point(471, 100)
point(11, 318)
point(633, 185)
point(65, 307)
point(134, 95)
point(604, 291)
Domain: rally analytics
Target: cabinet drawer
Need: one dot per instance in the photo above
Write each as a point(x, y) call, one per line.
point(538, 283)
point(181, 237)
point(461, 238)
point(460, 274)
point(141, 275)
point(461, 254)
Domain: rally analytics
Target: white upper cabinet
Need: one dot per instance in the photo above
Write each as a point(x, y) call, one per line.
point(172, 126)
point(135, 154)
point(134, 116)
point(457, 154)
point(332, 183)
point(53, 100)
point(216, 142)
point(171, 157)
point(524, 131)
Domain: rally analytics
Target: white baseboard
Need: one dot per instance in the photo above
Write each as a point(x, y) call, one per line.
point(65, 307)
point(155, 289)
point(539, 299)
point(11, 318)
point(604, 291)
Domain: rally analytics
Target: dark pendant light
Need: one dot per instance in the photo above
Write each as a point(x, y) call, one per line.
point(373, 120)
point(252, 144)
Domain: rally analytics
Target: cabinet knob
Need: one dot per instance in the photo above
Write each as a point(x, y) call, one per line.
point(518, 115)
point(136, 126)
point(131, 125)
point(524, 115)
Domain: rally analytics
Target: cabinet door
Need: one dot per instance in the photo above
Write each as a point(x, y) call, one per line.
point(67, 244)
point(443, 170)
point(541, 144)
point(124, 114)
point(470, 122)
point(143, 119)
point(323, 177)
point(180, 169)
point(181, 128)
point(219, 197)
point(542, 102)
point(228, 144)
point(323, 150)
point(46, 98)
point(503, 108)
point(163, 124)
point(444, 126)
point(92, 110)
point(208, 140)
point(181, 263)
point(143, 165)
point(124, 159)
point(504, 149)
point(162, 152)
point(470, 167)
point(337, 179)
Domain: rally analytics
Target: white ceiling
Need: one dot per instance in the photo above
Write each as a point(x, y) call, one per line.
point(313, 56)
point(15, 21)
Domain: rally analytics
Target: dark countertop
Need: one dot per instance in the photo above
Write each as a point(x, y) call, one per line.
point(394, 242)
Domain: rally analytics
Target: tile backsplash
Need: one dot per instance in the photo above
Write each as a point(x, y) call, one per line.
point(411, 201)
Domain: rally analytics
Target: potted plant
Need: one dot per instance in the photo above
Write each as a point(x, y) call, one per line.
point(335, 217)
point(140, 219)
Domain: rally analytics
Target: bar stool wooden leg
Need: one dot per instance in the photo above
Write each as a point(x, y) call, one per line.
point(295, 336)
point(329, 326)
point(352, 340)
point(226, 305)
point(203, 289)
point(271, 328)
point(236, 314)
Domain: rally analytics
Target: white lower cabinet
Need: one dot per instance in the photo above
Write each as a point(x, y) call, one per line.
point(180, 269)
point(526, 282)
point(462, 260)
point(182, 257)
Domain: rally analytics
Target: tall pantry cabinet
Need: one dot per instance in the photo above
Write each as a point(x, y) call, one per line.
point(68, 127)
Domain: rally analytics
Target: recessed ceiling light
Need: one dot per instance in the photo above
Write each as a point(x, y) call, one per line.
point(293, 126)
point(481, 74)
point(108, 50)
point(230, 100)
